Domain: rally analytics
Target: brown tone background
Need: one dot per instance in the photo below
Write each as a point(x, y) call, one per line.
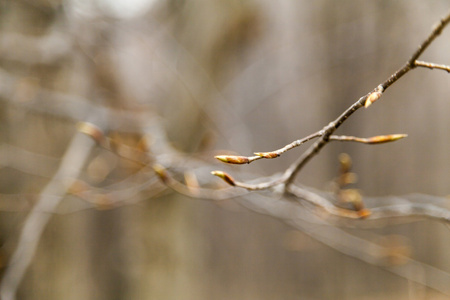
point(244, 76)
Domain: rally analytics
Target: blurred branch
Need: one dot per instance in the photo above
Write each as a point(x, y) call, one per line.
point(325, 221)
point(413, 211)
point(26, 161)
point(69, 169)
point(195, 191)
point(396, 261)
point(45, 49)
point(399, 208)
point(328, 231)
point(65, 105)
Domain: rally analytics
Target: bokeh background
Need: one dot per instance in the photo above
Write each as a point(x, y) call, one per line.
point(241, 76)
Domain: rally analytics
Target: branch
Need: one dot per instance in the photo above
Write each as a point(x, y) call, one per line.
point(429, 65)
point(67, 106)
point(325, 135)
point(194, 191)
point(231, 159)
point(385, 257)
point(70, 167)
point(401, 211)
point(315, 214)
point(379, 139)
point(291, 172)
point(238, 160)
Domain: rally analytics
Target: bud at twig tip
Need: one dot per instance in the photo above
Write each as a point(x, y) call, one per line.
point(227, 178)
point(233, 159)
point(385, 138)
point(395, 137)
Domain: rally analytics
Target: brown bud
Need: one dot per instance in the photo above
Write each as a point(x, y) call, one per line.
point(379, 139)
point(227, 178)
point(267, 154)
point(233, 159)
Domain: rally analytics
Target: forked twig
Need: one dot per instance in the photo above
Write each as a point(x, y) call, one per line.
point(325, 135)
point(238, 160)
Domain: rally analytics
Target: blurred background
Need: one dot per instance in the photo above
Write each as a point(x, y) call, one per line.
point(213, 76)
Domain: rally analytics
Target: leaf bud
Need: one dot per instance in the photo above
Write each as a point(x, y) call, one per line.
point(379, 139)
point(227, 178)
point(267, 154)
point(233, 159)
point(374, 96)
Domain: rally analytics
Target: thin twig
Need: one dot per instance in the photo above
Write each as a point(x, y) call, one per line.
point(196, 192)
point(233, 159)
point(328, 130)
point(429, 65)
point(294, 144)
point(380, 139)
